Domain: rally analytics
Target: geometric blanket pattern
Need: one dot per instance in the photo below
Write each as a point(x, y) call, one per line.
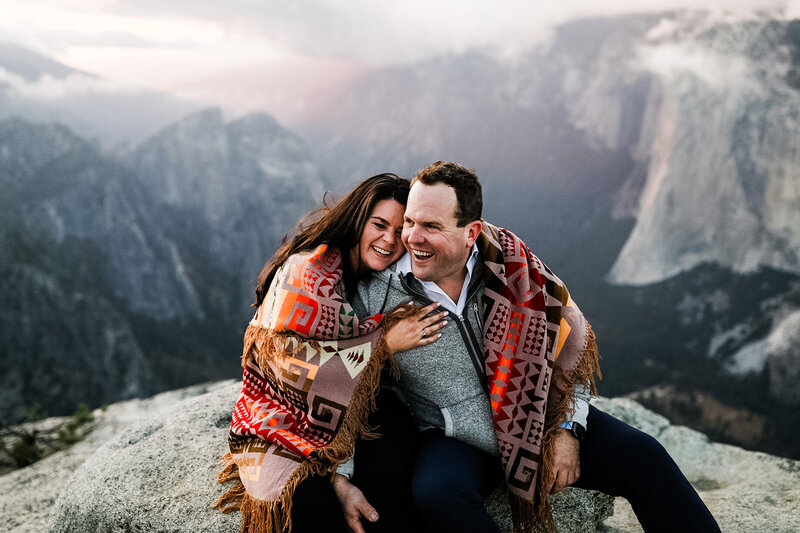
point(310, 372)
point(537, 345)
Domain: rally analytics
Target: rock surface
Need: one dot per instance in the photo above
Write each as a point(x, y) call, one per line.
point(745, 491)
point(783, 360)
point(720, 186)
point(158, 475)
point(149, 466)
point(27, 495)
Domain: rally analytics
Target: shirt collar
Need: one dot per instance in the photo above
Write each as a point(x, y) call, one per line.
point(403, 265)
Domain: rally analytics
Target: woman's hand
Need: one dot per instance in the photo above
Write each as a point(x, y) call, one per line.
point(354, 504)
point(416, 330)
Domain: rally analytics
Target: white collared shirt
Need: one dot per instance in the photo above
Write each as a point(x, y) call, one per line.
point(433, 291)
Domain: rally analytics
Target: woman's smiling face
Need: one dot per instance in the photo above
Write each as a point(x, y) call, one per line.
point(380, 245)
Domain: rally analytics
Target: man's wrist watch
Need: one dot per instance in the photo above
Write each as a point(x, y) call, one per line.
point(577, 430)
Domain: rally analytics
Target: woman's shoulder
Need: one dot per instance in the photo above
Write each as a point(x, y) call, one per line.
point(306, 275)
point(313, 265)
point(322, 255)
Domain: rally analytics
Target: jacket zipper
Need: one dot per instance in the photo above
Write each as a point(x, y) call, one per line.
point(465, 329)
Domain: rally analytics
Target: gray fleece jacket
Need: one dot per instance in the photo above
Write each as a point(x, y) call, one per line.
point(443, 383)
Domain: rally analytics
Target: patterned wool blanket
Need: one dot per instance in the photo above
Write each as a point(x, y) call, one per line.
point(311, 368)
point(304, 402)
point(537, 345)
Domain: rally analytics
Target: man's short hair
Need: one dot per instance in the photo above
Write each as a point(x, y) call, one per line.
point(464, 181)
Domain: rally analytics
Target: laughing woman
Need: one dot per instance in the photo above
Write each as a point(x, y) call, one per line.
point(312, 368)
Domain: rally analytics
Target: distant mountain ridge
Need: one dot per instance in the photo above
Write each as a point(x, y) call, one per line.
point(249, 180)
point(112, 288)
point(722, 134)
point(30, 65)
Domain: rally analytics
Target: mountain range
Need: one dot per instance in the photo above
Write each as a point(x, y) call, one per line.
point(652, 162)
point(126, 275)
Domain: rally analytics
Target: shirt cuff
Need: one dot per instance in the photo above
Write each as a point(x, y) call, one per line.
point(580, 406)
point(346, 468)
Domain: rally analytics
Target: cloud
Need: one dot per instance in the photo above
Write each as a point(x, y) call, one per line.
point(50, 27)
point(211, 47)
point(716, 71)
point(399, 32)
point(49, 88)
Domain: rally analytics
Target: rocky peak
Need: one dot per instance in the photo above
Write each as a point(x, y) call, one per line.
point(30, 65)
point(26, 147)
point(221, 180)
point(720, 133)
point(70, 193)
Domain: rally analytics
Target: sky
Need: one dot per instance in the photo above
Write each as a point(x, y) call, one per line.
point(269, 54)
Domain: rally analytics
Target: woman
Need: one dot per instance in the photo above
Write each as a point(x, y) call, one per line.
point(311, 367)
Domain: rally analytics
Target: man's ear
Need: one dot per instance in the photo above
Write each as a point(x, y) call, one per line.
point(473, 230)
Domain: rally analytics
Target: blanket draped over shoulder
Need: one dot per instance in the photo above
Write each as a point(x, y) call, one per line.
point(311, 368)
point(304, 402)
point(537, 346)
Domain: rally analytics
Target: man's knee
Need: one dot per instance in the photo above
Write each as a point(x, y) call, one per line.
point(624, 460)
point(446, 489)
point(649, 466)
point(615, 444)
point(649, 455)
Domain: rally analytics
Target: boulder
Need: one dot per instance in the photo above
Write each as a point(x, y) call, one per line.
point(159, 475)
point(28, 495)
point(150, 466)
point(744, 490)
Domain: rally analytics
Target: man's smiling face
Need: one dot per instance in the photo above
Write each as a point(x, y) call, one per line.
point(439, 248)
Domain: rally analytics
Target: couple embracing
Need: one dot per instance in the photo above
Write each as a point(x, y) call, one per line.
point(406, 357)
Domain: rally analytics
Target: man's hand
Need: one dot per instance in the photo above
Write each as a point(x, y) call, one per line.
point(353, 503)
point(566, 460)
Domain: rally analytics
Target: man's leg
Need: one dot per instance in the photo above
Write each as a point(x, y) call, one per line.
point(622, 461)
point(383, 466)
point(451, 483)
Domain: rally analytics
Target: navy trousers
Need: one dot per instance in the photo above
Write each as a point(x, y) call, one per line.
point(622, 461)
point(452, 480)
point(449, 480)
point(451, 483)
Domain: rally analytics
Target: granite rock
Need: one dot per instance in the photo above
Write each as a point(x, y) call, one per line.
point(150, 466)
point(158, 475)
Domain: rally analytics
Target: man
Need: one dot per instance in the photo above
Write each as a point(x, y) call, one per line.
point(502, 393)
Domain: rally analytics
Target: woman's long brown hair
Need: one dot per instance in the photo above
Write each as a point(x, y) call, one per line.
point(339, 225)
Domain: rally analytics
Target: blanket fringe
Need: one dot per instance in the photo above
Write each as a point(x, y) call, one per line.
point(558, 410)
point(525, 518)
point(259, 516)
point(269, 343)
point(354, 425)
